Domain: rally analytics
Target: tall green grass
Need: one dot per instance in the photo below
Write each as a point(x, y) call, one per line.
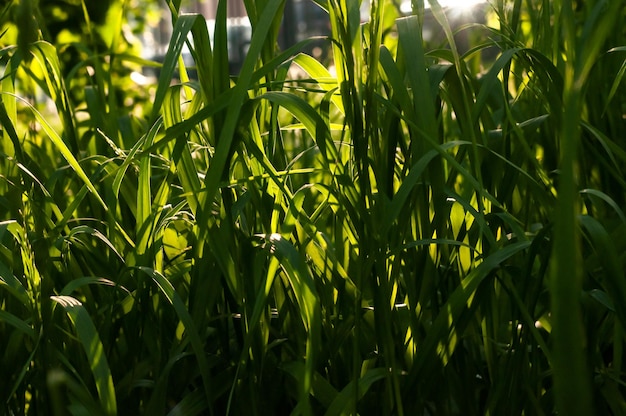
point(411, 228)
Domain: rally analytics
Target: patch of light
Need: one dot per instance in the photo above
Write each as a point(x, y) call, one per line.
point(405, 7)
point(140, 79)
point(457, 5)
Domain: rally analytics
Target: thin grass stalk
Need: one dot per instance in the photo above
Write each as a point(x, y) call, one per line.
point(344, 32)
point(571, 375)
point(467, 99)
point(570, 368)
point(382, 274)
point(280, 237)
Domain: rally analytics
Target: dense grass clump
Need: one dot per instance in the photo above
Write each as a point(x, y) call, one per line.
point(411, 228)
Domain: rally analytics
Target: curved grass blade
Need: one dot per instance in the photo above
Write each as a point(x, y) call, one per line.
point(84, 229)
point(609, 201)
point(17, 323)
point(87, 280)
point(344, 402)
point(194, 403)
point(321, 75)
point(611, 263)
point(46, 55)
point(618, 78)
point(312, 121)
point(63, 149)
point(88, 337)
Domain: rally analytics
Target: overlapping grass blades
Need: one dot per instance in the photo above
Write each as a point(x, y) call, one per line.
point(88, 337)
point(398, 231)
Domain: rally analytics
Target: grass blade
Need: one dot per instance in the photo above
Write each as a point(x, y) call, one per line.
point(88, 337)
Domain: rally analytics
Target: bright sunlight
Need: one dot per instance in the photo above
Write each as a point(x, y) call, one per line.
point(457, 5)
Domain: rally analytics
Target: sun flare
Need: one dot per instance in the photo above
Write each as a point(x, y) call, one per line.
point(456, 5)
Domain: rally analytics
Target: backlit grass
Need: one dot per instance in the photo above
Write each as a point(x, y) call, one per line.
point(412, 228)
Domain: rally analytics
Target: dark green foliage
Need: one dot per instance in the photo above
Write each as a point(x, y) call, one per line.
point(422, 229)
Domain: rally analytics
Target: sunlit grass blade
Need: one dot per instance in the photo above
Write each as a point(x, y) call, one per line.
point(184, 25)
point(440, 340)
point(371, 221)
point(304, 290)
point(321, 75)
point(46, 56)
point(65, 151)
point(223, 147)
point(311, 120)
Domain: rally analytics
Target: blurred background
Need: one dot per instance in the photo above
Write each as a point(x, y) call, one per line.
point(304, 19)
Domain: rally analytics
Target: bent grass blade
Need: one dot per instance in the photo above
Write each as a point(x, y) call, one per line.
point(90, 340)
